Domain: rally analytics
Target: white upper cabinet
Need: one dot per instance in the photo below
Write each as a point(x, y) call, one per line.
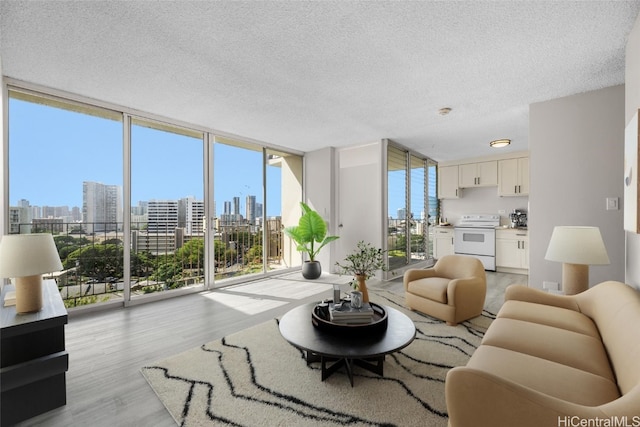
point(483, 174)
point(513, 177)
point(448, 182)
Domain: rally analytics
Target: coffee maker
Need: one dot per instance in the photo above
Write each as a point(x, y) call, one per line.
point(518, 218)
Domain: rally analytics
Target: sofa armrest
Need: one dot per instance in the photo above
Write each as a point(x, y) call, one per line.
point(477, 398)
point(527, 294)
point(415, 274)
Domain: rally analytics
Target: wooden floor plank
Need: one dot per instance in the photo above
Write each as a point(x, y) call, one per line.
point(108, 348)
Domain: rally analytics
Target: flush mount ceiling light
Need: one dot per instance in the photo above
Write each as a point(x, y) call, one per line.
point(500, 143)
point(444, 111)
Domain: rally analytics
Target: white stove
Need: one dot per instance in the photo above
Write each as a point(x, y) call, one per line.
point(475, 235)
point(479, 221)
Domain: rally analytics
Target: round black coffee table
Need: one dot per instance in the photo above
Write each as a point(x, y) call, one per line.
point(366, 351)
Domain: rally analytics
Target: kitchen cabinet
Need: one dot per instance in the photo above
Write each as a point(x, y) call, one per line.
point(512, 250)
point(442, 242)
point(513, 177)
point(482, 174)
point(448, 182)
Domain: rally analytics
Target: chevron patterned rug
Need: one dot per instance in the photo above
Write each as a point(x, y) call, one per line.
point(256, 378)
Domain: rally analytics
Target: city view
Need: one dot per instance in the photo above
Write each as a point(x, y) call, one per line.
point(71, 172)
point(61, 184)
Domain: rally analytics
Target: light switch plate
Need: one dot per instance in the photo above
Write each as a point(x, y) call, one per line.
point(612, 204)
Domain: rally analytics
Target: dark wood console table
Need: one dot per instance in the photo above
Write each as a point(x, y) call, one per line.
point(33, 360)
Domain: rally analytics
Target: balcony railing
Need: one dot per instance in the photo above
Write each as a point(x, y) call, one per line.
point(92, 255)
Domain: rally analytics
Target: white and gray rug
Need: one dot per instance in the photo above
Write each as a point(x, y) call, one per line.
point(255, 378)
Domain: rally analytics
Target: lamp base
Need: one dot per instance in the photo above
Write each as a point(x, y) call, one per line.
point(575, 278)
point(28, 294)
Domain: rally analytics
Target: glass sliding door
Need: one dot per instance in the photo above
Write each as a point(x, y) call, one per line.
point(167, 208)
point(417, 216)
point(433, 207)
point(412, 207)
point(283, 196)
point(397, 200)
point(238, 197)
point(65, 178)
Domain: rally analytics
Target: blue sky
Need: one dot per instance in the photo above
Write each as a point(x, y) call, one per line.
point(52, 151)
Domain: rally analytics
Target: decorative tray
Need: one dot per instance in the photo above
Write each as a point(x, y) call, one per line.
point(378, 323)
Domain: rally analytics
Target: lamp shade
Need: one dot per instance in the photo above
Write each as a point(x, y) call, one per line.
point(577, 245)
point(23, 255)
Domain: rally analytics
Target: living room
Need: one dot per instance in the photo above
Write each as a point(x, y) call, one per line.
point(575, 143)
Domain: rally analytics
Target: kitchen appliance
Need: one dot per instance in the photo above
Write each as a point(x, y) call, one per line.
point(518, 218)
point(475, 235)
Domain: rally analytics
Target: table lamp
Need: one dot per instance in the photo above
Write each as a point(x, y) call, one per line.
point(577, 248)
point(25, 257)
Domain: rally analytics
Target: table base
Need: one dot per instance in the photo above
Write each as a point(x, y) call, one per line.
point(372, 364)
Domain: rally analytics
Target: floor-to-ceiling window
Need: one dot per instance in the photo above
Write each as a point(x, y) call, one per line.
point(283, 196)
point(139, 207)
point(411, 204)
point(65, 178)
point(417, 217)
point(398, 207)
point(253, 188)
point(167, 207)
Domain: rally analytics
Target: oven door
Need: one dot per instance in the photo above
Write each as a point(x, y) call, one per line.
point(474, 241)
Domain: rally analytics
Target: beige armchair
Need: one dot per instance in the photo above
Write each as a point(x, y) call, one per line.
point(453, 290)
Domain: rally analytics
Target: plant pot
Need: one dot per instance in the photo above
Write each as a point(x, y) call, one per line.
point(311, 269)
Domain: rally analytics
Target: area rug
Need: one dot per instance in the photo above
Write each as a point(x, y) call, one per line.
point(256, 378)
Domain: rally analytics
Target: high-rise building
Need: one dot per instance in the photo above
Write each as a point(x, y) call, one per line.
point(101, 207)
point(251, 210)
point(236, 205)
point(227, 208)
point(191, 214)
point(163, 216)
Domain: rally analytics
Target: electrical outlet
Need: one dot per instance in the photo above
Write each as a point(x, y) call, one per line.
point(550, 286)
point(501, 211)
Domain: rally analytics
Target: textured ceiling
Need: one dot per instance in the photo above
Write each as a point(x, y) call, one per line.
point(307, 75)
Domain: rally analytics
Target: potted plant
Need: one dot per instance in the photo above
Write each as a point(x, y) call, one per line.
point(310, 235)
point(363, 264)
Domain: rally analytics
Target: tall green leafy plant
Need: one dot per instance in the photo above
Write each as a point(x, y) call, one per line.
point(310, 234)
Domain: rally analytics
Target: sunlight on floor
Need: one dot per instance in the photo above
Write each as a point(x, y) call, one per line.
point(262, 295)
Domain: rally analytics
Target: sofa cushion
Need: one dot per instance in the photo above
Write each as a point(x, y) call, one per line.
point(549, 315)
point(433, 288)
point(569, 348)
point(551, 378)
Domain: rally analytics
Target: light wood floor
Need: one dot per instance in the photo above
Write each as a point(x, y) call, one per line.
point(107, 349)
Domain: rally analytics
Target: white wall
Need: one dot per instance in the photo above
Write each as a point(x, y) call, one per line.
point(632, 104)
point(482, 200)
point(4, 191)
point(319, 182)
point(360, 199)
point(576, 147)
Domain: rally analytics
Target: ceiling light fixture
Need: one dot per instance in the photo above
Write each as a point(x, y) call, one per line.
point(444, 111)
point(498, 143)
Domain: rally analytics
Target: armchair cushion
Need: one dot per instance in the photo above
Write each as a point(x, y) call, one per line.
point(434, 288)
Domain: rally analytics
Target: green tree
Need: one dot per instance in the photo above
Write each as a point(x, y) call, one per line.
point(97, 261)
point(192, 254)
